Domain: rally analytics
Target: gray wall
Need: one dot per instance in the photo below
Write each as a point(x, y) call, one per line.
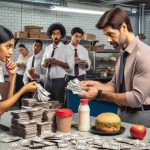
point(15, 18)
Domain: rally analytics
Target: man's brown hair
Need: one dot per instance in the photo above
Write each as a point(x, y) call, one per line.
point(114, 18)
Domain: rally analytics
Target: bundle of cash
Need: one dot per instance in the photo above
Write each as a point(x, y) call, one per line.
point(35, 114)
point(41, 94)
point(43, 126)
point(29, 102)
point(17, 116)
point(35, 111)
point(55, 104)
point(28, 124)
point(15, 145)
point(49, 116)
point(20, 114)
point(27, 129)
point(6, 138)
point(25, 107)
point(75, 86)
point(46, 105)
point(14, 130)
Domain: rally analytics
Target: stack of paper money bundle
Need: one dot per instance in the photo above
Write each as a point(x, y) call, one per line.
point(46, 105)
point(18, 116)
point(49, 116)
point(35, 113)
point(27, 129)
point(43, 126)
point(21, 125)
point(29, 102)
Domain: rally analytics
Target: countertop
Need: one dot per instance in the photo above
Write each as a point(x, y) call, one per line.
point(5, 120)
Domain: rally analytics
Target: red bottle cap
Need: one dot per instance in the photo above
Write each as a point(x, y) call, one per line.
point(84, 101)
point(64, 112)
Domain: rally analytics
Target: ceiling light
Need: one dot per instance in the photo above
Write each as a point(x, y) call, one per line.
point(76, 10)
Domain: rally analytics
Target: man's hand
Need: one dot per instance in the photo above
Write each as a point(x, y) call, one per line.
point(21, 65)
point(33, 74)
point(11, 67)
point(30, 87)
point(90, 83)
point(83, 64)
point(51, 61)
point(77, 60)
point(89, 93)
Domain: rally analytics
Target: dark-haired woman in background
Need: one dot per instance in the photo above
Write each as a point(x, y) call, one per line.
point(21, 67)
point(6, 45)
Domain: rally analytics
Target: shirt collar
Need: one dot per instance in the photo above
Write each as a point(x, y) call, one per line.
point(38, 55)
point(73, 47)
point(132, 45)
point(59, 45)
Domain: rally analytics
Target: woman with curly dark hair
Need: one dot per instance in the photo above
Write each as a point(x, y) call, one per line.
point(57, 59)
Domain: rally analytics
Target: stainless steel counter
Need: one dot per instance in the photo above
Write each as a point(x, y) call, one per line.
point(5, 120)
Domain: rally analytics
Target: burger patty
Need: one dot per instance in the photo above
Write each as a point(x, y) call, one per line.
point(108, 126)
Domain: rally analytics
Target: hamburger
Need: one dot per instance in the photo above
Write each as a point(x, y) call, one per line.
point(108, 122)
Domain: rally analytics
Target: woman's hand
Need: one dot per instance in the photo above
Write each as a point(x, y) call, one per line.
point(11, 67)
point(30, 87)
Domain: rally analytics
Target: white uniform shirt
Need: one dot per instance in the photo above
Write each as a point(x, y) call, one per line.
point(82, 54)
point(1, 78)
point(37, 66)
point(1, 74)
point(61, 54)
point(23, 60)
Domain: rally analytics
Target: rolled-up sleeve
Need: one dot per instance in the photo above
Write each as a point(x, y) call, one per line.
point(141, 87)
point(113, 82)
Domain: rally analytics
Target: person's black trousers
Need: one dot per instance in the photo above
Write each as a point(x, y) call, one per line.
point(56, 87)
point(18, 85)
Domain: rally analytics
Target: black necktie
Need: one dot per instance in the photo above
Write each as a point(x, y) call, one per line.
point(76, 67)
point(49, 66)
point(121, 71)
point(32, 66)
point(33, 59)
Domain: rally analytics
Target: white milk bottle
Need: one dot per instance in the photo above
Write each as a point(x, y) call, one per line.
point(83, 116)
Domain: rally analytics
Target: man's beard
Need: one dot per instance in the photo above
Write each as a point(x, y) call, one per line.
point(115, 45)
point(119, 45)
point(56, 41)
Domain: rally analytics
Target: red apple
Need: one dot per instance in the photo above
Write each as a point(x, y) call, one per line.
point(138, 131)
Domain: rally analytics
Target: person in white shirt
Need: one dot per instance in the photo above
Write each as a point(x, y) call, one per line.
point(57, 59)
point(34, 70)
point(80, 55)
point(6, 44)
point(21, 67)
